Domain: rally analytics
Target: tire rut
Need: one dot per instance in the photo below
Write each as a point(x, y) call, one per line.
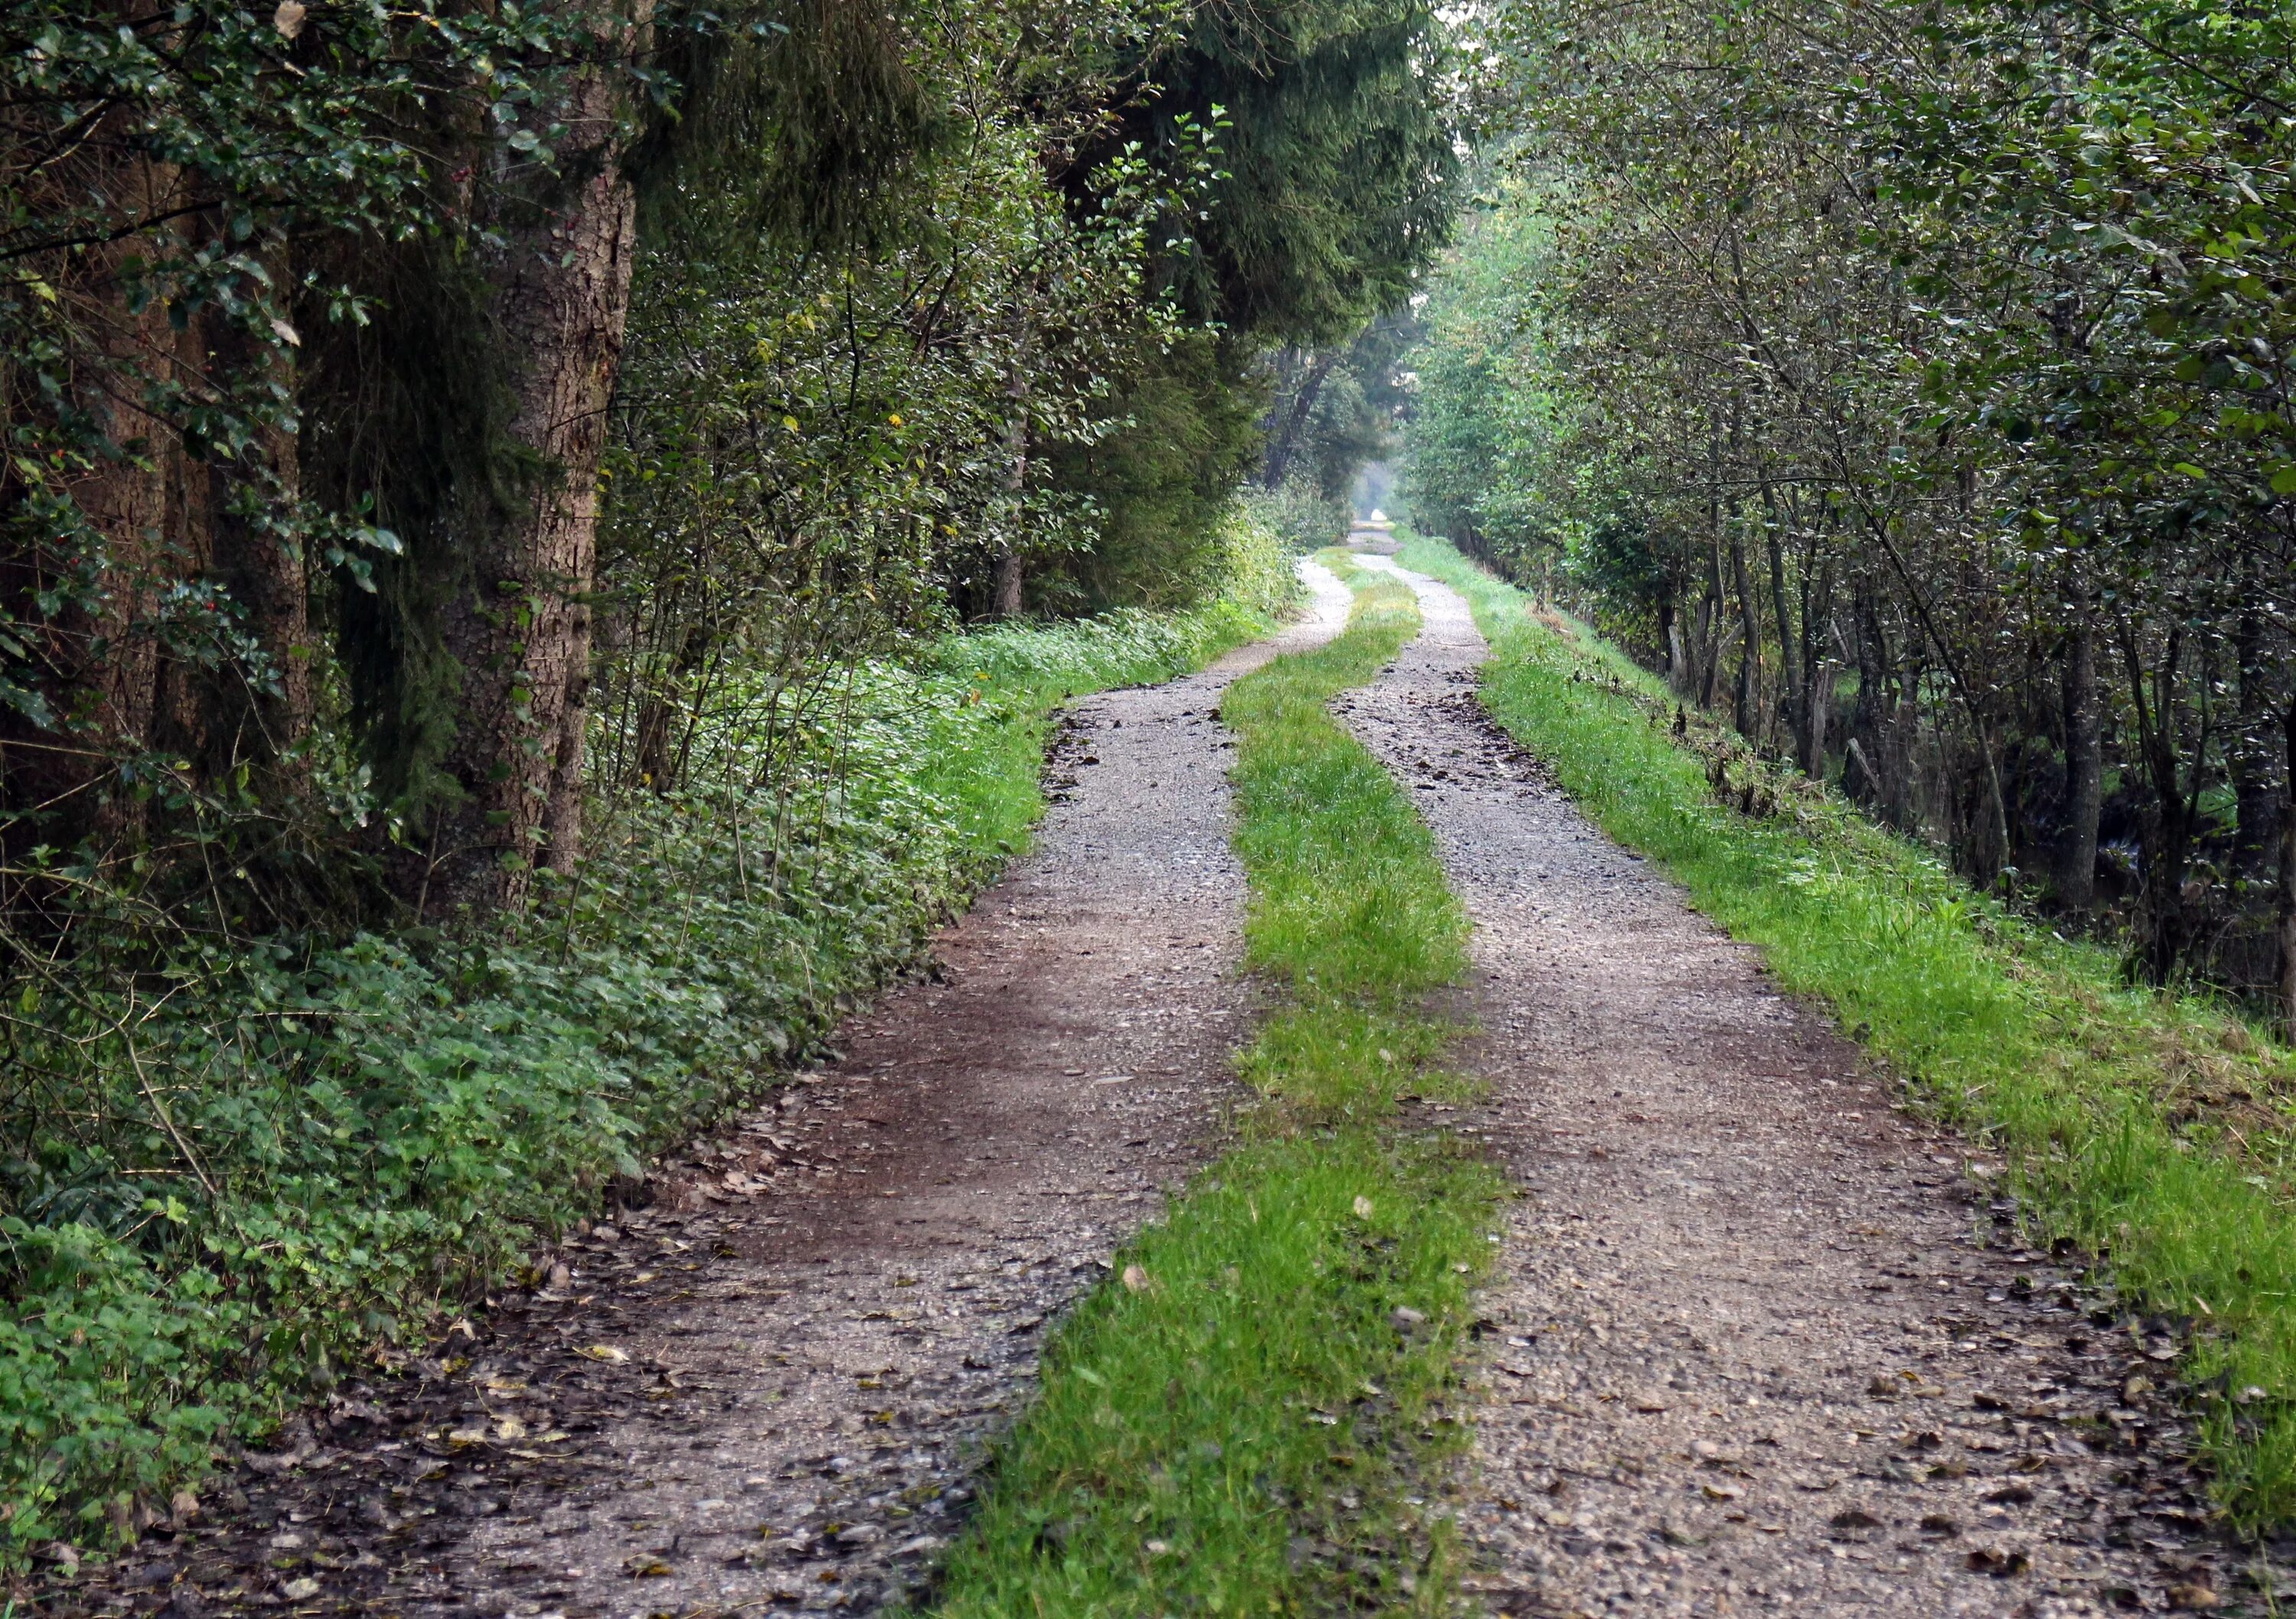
point(768, 1388)
point(1760, 1341)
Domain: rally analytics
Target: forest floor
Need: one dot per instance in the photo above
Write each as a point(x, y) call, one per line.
point(1755, 1341)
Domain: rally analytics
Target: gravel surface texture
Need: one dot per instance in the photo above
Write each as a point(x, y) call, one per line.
point(768, 1388)
point(1760, 1341)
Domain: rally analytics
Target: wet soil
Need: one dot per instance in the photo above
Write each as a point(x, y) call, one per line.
point(769, 1388)
point(1760, 1340)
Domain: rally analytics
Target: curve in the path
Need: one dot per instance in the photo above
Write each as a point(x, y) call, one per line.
point(1757, 1345)
point(766, 1390)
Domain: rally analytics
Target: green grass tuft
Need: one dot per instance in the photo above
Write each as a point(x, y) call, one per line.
point(1234, 1425)
point(2148, 1128)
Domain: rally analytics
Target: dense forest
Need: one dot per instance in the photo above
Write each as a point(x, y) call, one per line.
point(1911, 384)
point(492, 502)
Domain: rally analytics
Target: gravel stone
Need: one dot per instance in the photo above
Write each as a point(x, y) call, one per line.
point(767, 1387)
point(1759, 1340)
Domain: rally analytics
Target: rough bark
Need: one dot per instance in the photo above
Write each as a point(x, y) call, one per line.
point(238, 716)
point(2076, 872)
point(520, 629)
point(100, 653)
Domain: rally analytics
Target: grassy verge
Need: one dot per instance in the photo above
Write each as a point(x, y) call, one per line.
point(2148, 1128)
point(380, 1126)
point(1234, 1425)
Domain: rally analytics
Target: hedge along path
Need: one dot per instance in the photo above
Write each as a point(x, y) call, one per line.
point(1242, 1421)
point(1759, 1341)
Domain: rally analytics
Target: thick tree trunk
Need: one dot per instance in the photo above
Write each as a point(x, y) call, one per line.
point(240, 715)
point(100, 650)
point(520, 628)
point(2076, 873)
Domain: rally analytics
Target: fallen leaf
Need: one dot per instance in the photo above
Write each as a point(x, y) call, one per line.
point(1362, 1209)
point(509, 1427)
point(1723, 1492)
point(1853, 1517)
point(606, 1353)
point(2000, 1564)
point(1135, 1279)
point(296, 1590)
point(289, 18)
point(2192, 1599)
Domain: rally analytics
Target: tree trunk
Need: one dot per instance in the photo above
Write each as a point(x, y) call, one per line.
point(1791, 659)
point(100, 650)
point(1286, 438)
point(1749, 653)
point(2076, 873)
point(237, 719)
point(520, 628)
point(2248, 757)
point(652, 763)
point(1005, 596)
point(2288, 877)
point(2169, 829)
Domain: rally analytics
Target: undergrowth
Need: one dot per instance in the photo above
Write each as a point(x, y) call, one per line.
point(2148, 1128)
point(225, 1175)
point(1235, 1423)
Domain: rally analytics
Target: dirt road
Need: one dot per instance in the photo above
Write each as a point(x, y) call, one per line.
point(1758, 1342)
point(767, 1390)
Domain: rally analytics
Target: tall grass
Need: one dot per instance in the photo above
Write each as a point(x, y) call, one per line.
point(2148, 1128)
point(1236, 1426)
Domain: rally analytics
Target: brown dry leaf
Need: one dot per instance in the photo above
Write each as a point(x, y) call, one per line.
point(1135, 1279)
point(509, 1427)
point(289, 18)
point(606, 1353)
point(1362, 1209)
point(2192, 1599)
point(1723, 1492)
point(1999, 1563)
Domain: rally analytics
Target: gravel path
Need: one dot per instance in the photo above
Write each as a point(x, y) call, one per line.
point(767, 1389)
point(1760, 1343)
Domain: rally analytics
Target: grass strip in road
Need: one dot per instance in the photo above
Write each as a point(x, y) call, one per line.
point(1234, 1422)
point(2147, 1127)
